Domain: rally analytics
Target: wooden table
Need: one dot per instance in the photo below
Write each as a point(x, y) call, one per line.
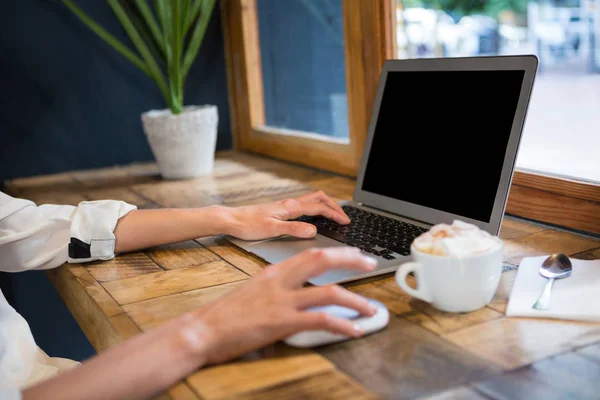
point(423, 353)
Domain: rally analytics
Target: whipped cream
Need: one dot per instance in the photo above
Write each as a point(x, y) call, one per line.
point(460, 239)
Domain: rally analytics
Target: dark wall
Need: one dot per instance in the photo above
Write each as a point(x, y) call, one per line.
point(69, 101)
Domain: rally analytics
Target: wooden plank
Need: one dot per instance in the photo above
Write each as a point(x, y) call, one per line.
point(176, 194)
point(563, 186)
point(181, 255)
point(237, 378)
point(119, 193)
point(331, 385)
point(116, 176)
point(513, 228)
point(366, 27)
point(208, 190)
point(150, 313)
point(568, 376)
point(40, 183)
point(124, 326)
point(107, 304)
point(182, 391)
point(342, 188)
point(588, 255)
point(233, 255)
point(122, 266)
point(418, 312)
point(515, 342)
point(89, 316)
point(551, 208)
point(54, 197)
point(459, 393)
point(546, 242)
point(303, 150)
point(405, 361)
point(142, 169)
point(164, 283)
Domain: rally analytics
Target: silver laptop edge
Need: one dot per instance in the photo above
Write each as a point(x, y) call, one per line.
point(528, 63)
point(278, 249)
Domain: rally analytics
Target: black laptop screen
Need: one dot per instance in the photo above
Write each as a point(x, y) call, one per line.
point(441, 138)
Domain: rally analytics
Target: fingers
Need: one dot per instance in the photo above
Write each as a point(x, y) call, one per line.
point(296, 270)
point(333, 294)
point(296, 229)
point(309, 321)
point(321, 197)
point(296, 209)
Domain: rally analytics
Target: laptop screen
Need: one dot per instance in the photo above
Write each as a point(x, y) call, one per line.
point(441, 138)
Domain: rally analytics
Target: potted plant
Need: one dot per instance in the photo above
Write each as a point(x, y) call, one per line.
point(167, 38)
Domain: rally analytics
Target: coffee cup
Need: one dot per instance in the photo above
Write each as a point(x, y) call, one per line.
point(457, 267)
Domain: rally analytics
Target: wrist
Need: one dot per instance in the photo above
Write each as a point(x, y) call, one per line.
point(192, 340)
point(222, 219)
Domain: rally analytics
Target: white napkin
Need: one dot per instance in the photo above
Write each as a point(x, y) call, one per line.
point(576, 297)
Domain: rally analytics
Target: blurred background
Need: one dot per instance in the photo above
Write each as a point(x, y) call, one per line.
point(561, 132)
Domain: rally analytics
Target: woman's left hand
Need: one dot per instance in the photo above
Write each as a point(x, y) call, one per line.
point(271, 220)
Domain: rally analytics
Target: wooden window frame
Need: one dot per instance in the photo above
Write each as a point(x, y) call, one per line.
point(369, 32)
point(366, 47)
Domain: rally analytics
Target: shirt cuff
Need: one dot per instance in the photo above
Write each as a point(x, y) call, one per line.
point(92, 228)
point(10, 394)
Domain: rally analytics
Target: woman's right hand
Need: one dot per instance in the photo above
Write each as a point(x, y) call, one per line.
point(272, 305)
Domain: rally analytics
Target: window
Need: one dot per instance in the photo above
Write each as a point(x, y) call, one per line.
point(302, 77)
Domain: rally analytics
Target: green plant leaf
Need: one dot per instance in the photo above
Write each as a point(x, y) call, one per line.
point(147, 36)
point(197, 36)
point(163, 11)
point(185, 10)
point(176, 38)
point(108, 38)
point(142, 48)
point(151, 22)
point(192, 14)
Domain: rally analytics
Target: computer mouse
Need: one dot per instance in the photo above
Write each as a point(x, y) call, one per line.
point(315, 338)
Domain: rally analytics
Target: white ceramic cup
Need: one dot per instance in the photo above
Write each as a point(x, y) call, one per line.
point(453, 284)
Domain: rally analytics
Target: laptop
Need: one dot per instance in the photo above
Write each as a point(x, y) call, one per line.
point(442, 144)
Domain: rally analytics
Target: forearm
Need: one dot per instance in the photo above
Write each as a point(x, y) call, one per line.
point(146, 228)
point(136, 369)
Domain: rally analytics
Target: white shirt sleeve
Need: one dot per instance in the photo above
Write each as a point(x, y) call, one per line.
point(42, 237)
point(46, 236)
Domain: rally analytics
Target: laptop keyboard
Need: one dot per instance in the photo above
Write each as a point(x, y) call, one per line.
point(372, 233)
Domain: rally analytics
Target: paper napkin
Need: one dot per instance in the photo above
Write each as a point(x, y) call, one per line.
point(575, 298)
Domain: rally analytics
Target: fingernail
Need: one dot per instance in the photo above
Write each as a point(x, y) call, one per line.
point(311, 230)
point(357, 330)
point(372, 308)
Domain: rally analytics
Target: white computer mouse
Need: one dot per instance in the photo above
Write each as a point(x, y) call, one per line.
point(318, 338)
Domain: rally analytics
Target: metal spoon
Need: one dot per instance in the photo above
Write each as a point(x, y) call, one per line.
point(554, 267)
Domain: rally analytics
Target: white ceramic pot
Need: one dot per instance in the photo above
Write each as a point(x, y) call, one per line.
point(184, 144)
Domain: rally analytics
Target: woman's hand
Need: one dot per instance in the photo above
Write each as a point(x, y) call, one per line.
point(272, 220)
point(272, 305)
